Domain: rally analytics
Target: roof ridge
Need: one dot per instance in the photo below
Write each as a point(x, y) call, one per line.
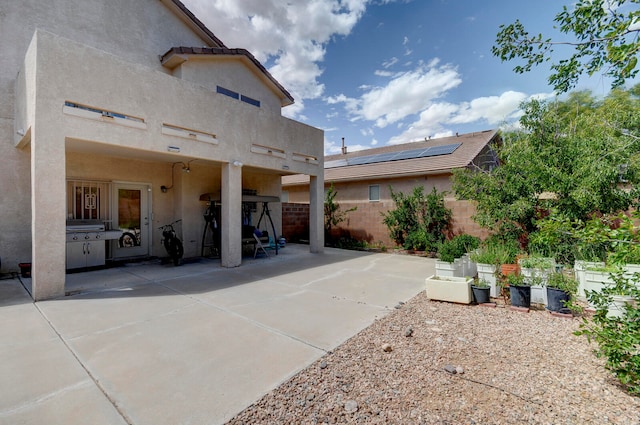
point(409, 145)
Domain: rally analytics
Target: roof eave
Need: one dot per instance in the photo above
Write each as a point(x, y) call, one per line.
point(194, 23)
point(178, 55)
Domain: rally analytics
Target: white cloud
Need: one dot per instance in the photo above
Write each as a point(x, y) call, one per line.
point(406, 94)
point(282, 34)
point(331, 147)
point(492, 110)
point(389, 63)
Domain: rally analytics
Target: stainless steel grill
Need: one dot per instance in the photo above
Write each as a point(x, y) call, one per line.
point(85, 243)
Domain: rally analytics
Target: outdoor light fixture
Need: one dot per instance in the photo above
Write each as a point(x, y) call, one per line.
point(173, 148)
point(20, 132)
point(236, 163)
point(186, 168)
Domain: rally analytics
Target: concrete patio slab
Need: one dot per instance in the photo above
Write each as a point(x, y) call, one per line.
point(318, 319)
point(196, 365)
point(98, 312)
point(156, 344)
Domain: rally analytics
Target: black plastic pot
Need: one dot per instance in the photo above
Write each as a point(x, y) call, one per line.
point(520, 296)
point(480, 295)
point(556, 299)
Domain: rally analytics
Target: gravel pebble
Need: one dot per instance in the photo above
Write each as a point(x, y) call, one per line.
point(518, 368)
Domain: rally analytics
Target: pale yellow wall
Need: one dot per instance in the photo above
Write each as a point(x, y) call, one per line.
point(113, 64)
point(232, 75)
point(136, 30)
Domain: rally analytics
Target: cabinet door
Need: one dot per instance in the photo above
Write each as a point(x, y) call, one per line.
point(94, 252)
point(76, 257)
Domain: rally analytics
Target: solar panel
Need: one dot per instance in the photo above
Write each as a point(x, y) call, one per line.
point(394, 156)
point(441, 150)
point(336, 163)
point(410, 154)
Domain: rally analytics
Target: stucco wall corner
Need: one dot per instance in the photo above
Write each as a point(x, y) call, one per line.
point(25, 95)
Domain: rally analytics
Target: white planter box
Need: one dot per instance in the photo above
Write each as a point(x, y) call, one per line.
point(469, 268)
point(446, 269)
point(630, 271)
point(451, 289)
point(487, 272)
point(595, 281)
point(580, 269)
point(538, 292)
point(617, 307)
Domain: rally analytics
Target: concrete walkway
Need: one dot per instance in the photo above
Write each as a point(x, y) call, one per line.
point(156, 344)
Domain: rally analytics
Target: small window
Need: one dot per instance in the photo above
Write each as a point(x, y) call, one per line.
point(228, 92)
point(374, 192)
point(249, 100)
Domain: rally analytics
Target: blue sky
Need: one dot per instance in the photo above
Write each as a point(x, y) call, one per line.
point(380, 72)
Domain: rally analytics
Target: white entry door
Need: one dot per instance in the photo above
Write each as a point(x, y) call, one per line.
point(131, 215)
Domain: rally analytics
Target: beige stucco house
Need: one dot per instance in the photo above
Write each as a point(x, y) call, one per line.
point(363, 179)
point(123, 113)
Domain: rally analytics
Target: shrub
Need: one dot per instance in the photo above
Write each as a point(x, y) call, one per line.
point(618, 338)
point(467, 243)
point(449, 251)
point(418, 221)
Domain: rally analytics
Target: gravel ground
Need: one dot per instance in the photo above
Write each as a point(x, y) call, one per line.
point(516, 368)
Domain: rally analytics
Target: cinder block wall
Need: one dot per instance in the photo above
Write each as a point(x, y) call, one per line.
point(295, 222)
point(366, 222)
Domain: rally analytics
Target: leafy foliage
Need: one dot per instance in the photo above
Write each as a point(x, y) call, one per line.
point(617, 336)
point(605, 37)
point(562, 282)
point(456, 247)
point(333, 213)
point(579, 157)
point(418, 221)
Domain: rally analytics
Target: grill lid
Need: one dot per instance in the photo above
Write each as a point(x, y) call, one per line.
point(85, 226)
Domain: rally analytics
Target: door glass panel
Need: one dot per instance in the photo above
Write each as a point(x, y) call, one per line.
point(129, 217)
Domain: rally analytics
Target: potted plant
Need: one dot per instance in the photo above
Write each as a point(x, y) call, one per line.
point(519, 290)
point(486, 261)
point(449, 261)
point(449, 288)
point(535, 269)
point(481, 291)
point(466, 245)
point(560, 290)
point(506, 256)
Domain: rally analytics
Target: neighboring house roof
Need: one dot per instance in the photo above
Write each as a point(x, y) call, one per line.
point(177, 55)
point(471, 145)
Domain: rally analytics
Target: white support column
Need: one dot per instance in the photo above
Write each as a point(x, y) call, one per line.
point(316, 214)
point(231, 231)
point(48, 213)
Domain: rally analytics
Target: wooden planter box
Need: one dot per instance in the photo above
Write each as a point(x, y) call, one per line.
point(451, 289)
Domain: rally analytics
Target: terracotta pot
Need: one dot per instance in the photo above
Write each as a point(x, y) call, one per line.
point(508, 269)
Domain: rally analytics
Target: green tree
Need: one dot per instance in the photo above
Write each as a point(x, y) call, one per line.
point(604, 37)
point(418, 221)
point(580, 161)
point(333, 213)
